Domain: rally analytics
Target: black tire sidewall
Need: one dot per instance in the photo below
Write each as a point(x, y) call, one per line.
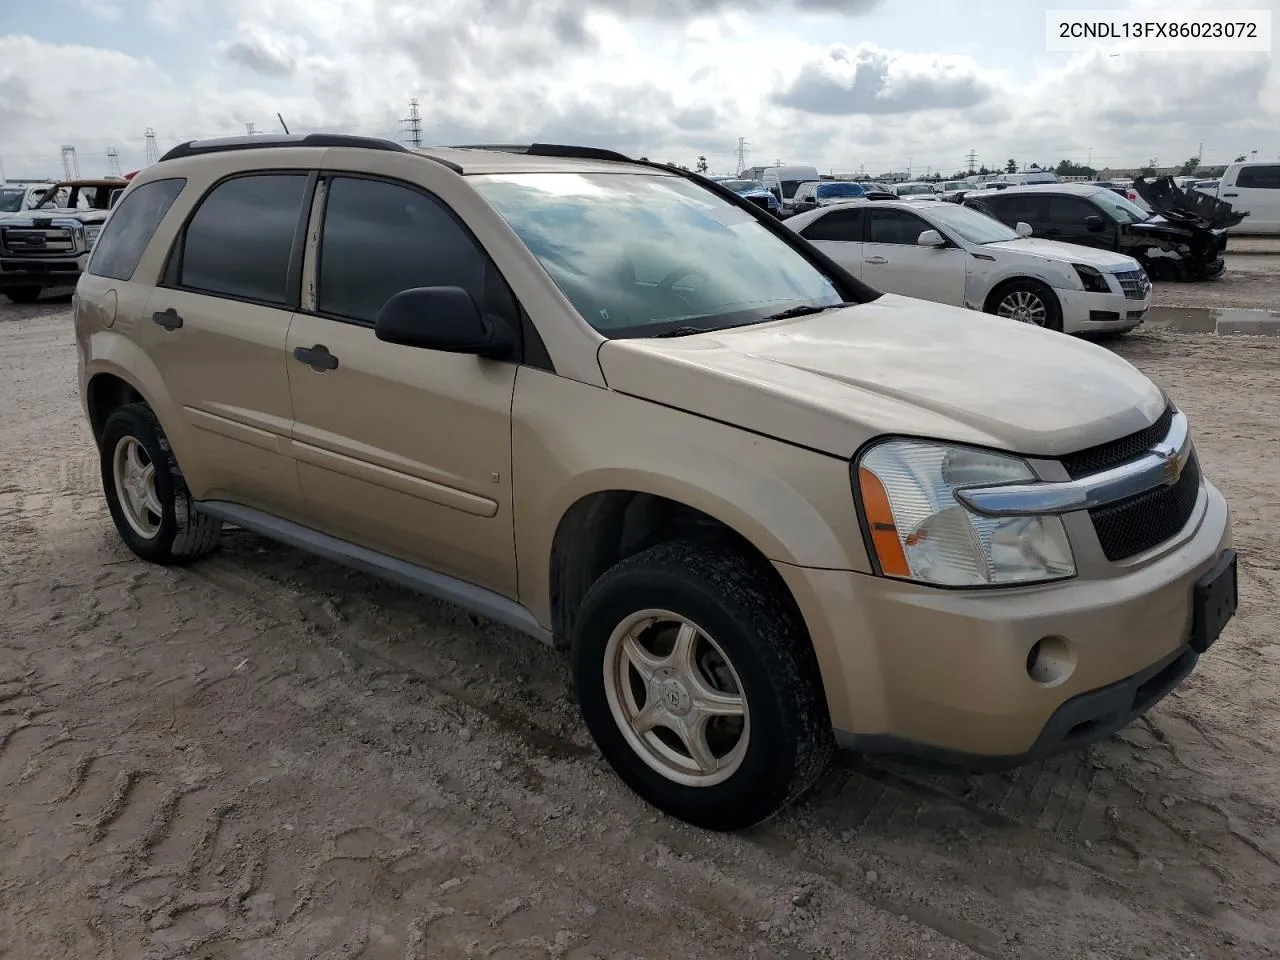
point(762, 783)
point(132, 421)
point(22, 295)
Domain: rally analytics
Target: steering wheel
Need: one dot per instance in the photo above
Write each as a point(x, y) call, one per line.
point(667, 283)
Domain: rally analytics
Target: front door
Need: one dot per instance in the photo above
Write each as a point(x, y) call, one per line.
point(1065, 221)
point(401, 449)
point(895, 262)
point(216, 329)
point(838, 234)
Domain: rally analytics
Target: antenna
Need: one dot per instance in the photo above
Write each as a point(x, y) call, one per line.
point(153, 148)
point(413, 125)
point(113, 162)
point(70, 163)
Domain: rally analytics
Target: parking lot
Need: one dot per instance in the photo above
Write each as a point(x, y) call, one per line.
point(265, 755)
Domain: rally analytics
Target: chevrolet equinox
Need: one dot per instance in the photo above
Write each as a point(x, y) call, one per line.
point(767, 509)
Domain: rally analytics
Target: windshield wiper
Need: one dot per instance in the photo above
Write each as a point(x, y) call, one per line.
point(807, 309)
point(680, 332)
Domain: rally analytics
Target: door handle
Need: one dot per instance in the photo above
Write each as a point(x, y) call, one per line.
point(318, 358)
point(876, 260)
point(168, 319)
point(1231, 194)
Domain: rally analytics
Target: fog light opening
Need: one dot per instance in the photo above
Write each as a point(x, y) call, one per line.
point(1050, 661)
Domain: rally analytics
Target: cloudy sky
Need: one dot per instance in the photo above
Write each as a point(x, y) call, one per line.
point(842, 84)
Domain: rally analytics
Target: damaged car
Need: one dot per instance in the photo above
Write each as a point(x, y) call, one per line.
point(1174, 242)
point(49, 245)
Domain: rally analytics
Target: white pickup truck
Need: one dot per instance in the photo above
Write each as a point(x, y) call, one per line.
point(1253, 187)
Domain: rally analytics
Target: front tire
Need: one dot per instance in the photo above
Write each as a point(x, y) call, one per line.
point(1027, 301)
point(146, 493)
point(23, 294)
point(698, 683)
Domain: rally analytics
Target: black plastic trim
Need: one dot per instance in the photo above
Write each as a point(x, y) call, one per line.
point(193, 148)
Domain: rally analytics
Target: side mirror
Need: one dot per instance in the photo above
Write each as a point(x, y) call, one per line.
point(441, 318)
point(1023, 229)
point(1094, 223)
point(930, 238)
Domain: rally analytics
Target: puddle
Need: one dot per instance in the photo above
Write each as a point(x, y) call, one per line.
point(1222, 321)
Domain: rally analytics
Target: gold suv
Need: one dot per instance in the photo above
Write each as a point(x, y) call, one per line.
point(767, 509)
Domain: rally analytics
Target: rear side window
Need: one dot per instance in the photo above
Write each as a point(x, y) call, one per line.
point(381, 238)
point(1069, 211)
point(1017, 207)
point(894, 226)
point(840, 225)
point(130, 227)
point(240, 241)
point(1261, 177)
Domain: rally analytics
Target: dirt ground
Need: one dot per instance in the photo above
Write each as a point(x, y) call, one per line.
point(265, 756)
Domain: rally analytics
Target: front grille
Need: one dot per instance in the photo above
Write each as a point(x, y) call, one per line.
point(1134, 283)
point(1129, 527)
point(37, 241)
point(1115, 452)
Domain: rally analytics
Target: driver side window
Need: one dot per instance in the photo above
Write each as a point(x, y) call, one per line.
point(894, 226)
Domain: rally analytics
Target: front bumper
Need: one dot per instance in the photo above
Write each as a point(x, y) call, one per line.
point(1087, 312)
point(42, 272)
point(943, 673)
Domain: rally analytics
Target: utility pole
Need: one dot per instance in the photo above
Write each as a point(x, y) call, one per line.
point(248, 129)
point(972, 160)
point(113, 162)
point(70, 163)
point(742, 154)
point(413, 125)
point(153, 148)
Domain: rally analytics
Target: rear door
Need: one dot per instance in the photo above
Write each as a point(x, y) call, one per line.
point(1256, 188)
point(1065, 221)
point(216, 328)
point(894, 261)
point(838, 234)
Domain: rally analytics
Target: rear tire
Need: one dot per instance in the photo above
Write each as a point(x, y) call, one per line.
point(1027, 301)
point(750, 683)
point(23, 294)
point(146, 493)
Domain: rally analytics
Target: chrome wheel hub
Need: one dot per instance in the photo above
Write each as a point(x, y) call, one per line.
point(1024, 307)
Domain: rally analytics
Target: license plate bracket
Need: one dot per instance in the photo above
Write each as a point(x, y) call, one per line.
point(1214, 599)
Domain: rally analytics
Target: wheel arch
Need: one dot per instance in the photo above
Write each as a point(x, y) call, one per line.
point(121, 373)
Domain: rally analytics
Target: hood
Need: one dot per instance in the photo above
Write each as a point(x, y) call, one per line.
point(896, 365)
point(1186, 208)
point(1105, 260)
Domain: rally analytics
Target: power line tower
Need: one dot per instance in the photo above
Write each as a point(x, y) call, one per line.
point(973, 158)
point(153, 148)
point(70, 162)
point(742, 154)
point(248, 128)
point(113, 162)
point(413, 125)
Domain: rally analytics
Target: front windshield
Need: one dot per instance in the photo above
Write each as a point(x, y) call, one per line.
point(639, 254)
point(11, 200)
point(789, 187)
point(828, 190)
point(1120, 209)
point(742, 186)
point(971, 225)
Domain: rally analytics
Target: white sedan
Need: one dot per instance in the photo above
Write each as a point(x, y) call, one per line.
point(955, 255)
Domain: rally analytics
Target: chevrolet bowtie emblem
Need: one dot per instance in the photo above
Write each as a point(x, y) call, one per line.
point(1174, 461)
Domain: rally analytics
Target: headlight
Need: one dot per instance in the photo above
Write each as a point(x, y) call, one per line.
point(1093, 281)
point(91, 234)
point(921, 532)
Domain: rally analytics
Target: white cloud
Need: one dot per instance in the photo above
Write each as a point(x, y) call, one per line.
point(669, 79)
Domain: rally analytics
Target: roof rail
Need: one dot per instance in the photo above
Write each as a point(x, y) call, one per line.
point(564, 150)
point(264, 141)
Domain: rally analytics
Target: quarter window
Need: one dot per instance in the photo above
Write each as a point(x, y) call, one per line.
point(240, 241)
point(130, 227)
point(839, 225)
point(381, 238)
point(1261, 177)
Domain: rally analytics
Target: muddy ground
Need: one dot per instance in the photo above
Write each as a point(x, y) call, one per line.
point(1251, 281)
point(265, 756)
